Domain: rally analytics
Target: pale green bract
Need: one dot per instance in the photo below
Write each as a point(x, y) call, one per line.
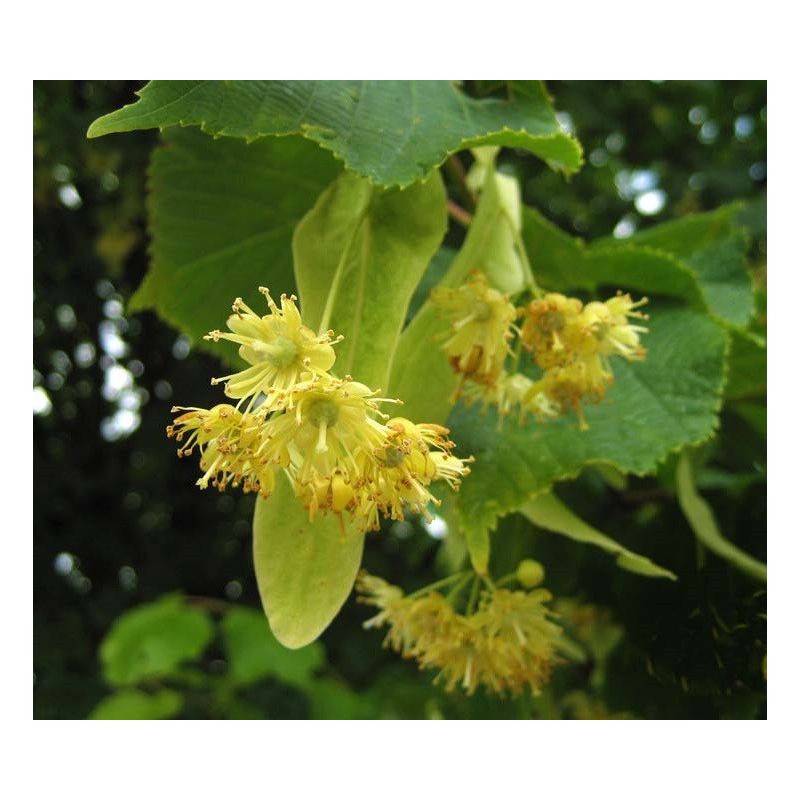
point(700, 517)
point(420, 362)
point(551, 514)
point(358, 256)
point(305, 570)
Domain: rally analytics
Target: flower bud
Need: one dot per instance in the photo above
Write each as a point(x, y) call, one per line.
point(530, 573)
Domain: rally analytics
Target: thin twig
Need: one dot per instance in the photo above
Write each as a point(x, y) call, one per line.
point(455, 169)
point(461, 216)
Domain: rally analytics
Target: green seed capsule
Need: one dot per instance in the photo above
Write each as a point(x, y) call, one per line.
point(530, 573)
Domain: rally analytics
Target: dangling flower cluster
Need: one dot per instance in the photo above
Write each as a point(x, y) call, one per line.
point(570, 342)
point(228, 442)
point(340, 452)
point(513, 392)
point(482, 320)
point(506, 643)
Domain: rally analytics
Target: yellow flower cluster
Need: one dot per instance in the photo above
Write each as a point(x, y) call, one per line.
point(507, 644)
point(227, 441)
point(328, 435)
point(569, 341)
point(482, 321)
point(572, 344)
point(513, 392)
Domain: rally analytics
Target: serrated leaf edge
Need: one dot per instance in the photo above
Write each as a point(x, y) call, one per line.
point(308, 130)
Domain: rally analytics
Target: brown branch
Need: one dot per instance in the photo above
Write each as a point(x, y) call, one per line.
point(455, 169)
point(461, 216)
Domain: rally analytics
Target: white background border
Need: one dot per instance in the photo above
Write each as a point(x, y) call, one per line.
point(398, 759)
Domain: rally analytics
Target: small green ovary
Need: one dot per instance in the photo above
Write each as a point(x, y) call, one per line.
point(281, 353)
point(321, 409)
point(481, 311)
point(393, 456)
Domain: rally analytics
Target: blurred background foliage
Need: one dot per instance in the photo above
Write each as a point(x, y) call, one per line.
point(119, 526)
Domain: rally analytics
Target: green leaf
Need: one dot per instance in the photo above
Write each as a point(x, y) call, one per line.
point(305, 570)
point(479, 548)
point(221, 216)
point(333, 700)
point(392, 132)
point(550, 513)
point(611, 476)
point(152, 640)
point(699, 258)
point(747, 367)
point(715, 249)
point(134, 704)
point(421, 375)
point(358, 256)
point(655, 407)
point(254, 653)
point(436, 270)
point(454, 551)
point(700, 517)
point(564, 263)
point(645, 269)
point(713, 478)
point(755, 414)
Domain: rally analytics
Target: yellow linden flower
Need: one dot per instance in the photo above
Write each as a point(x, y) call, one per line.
point(202, 425)
point(554, 330)
point(609, 325)
point(235, 467)
point(414, 455)
point(482, 321)
point(333, 493)
point(573, 343)
point(279, 348)
point(538, 404)
point(507, 645)
point(227, 440)
point(513, 392)
point(585, 379)
point(328, 423)
point(450, 468)
point(389, 479)
point(523, 639)
point(364, 509)
point(462, 656)
point(396, 490)
point(379, 593)
point(415, 622)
